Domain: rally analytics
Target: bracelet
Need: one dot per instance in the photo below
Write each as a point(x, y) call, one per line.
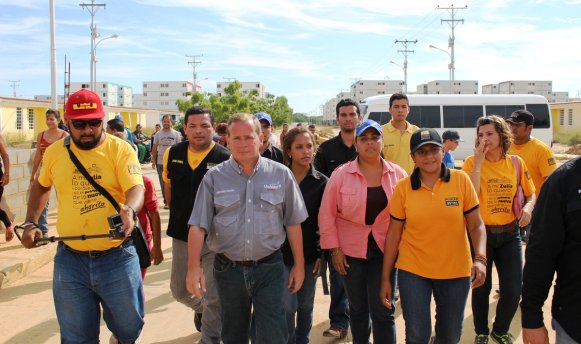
point(481, 259)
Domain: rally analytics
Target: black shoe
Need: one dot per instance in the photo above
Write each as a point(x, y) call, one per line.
point(198, 321)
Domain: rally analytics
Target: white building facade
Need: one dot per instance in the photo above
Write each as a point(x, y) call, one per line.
point(246, 87)
point(362, 89)
point(540, 87)
point(443, 87)
point(162, 95)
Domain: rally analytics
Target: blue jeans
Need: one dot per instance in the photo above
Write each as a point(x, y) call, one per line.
point(43, 220)
point(300, 304)
point(259, 288)
point(505, 251)
point(161, 182)
point(339, 307)
point(362, 283)
point(82, 284)
point(416, 295)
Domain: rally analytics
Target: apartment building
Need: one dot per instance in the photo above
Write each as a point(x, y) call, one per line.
point(362, 89)
point(541, 87)
point(329, 109)
point(162, 95)
point(246, 87)
point(443, 87)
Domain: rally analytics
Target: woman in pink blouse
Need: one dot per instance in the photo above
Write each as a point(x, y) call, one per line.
point(353, 221)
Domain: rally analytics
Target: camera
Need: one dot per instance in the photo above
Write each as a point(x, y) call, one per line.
point(115, 223)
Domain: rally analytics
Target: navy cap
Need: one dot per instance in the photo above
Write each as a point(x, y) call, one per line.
point(451, 135)
point(263, 116)
point(424, 136)
point(368, 123)
point(521, 116)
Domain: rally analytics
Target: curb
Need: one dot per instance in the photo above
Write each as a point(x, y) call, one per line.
point(22, 264)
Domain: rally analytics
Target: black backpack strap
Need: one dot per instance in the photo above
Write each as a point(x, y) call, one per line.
point(87, 176)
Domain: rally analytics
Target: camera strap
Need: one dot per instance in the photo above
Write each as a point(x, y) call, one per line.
point(88, 177)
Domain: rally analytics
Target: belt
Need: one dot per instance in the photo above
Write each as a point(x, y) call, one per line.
point(248, 262)
point(497, 229)
point(94, 254)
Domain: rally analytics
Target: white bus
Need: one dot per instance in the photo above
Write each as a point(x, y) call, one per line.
point(460, 112)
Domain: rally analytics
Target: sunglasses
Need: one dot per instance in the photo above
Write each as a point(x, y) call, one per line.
point(92, 123)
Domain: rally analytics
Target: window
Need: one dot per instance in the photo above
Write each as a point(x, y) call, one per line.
point(257, 85)
point(541, 113)
point(104, 95)
point(502, 110)
point(570, 116)
point(85, 86)
point(561, 117)
point(104, 103)
point(425, 116)
point(145, 94)
point(104, 85)
point(380, 117)
point(144, 85)
point(461, 116)
point(31, 119)
point(19, 118)
point(184, 84)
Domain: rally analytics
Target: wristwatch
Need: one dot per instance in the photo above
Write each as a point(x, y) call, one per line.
point(133, 210)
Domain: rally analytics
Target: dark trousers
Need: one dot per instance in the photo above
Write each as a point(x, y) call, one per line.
point(505, 251)
point(339, 307)
point(367, 313)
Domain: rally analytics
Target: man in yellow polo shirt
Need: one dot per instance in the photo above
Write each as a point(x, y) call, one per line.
point(536, 154)
point(92, 274)
point(184, 167)
point(397, 133)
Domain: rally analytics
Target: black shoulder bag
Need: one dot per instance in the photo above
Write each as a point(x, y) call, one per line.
point(137, 234)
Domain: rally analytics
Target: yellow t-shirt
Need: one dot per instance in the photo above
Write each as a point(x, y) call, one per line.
point(396, 147)
point(498, 187)
point(82, 209)
point(434, 243)
point(539, 160)
point(194, 159)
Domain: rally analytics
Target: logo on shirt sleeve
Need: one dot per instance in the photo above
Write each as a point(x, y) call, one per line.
point(452, 201)
point(134, 169)
point(551, 161)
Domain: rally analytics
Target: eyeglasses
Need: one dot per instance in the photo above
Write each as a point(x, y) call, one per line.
point(429, 151)
point(370, 138)
point(92, 123)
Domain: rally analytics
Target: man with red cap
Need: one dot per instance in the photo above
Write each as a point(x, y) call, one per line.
point(93, 274)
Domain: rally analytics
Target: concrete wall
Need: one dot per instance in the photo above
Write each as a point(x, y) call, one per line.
point(15, 197)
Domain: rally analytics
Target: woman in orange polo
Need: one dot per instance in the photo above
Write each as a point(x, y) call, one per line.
point(434, 205)
point(494, 175)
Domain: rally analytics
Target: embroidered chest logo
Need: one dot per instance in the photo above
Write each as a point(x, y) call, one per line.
point(452, 201)
point(272, 186)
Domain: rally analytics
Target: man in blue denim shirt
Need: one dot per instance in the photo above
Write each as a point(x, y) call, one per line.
point(244, 205)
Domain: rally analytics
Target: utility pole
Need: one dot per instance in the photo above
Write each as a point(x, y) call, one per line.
point(93, 8)
point(53, 92)
point(14, 85)
point(194, 64)
point(405, 52)
point(452, 22)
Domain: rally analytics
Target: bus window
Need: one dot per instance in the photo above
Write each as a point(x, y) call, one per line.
point(461, 116)
point(376, 116)
point(380, 117)
point(425, 116)
point(541, 113)
point(502, 110)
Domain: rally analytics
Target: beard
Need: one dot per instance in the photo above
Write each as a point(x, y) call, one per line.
point(87, 145)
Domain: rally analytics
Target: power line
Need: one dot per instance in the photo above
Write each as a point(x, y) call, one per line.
point(194, 64)
point(452, 22)
point(405, 52)
point(14, 84)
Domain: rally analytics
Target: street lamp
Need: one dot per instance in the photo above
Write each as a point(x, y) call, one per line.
point(94, 59)
point(405, 75)
point(450, 66)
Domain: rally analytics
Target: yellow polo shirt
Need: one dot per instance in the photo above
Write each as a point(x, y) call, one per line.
point(194, 159)
point(82, 209)
point(539, 160)
point(434, 243)
point(396, 146)
point(498, 186)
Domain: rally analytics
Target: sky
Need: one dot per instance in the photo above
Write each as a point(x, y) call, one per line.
point(308, 51)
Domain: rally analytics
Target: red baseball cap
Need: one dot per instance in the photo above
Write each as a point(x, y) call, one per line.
point(84, 104)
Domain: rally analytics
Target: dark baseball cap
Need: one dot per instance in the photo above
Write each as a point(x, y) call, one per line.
point(451, 135)
point(521, 116)
point(263, 116)
point(424, 136)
